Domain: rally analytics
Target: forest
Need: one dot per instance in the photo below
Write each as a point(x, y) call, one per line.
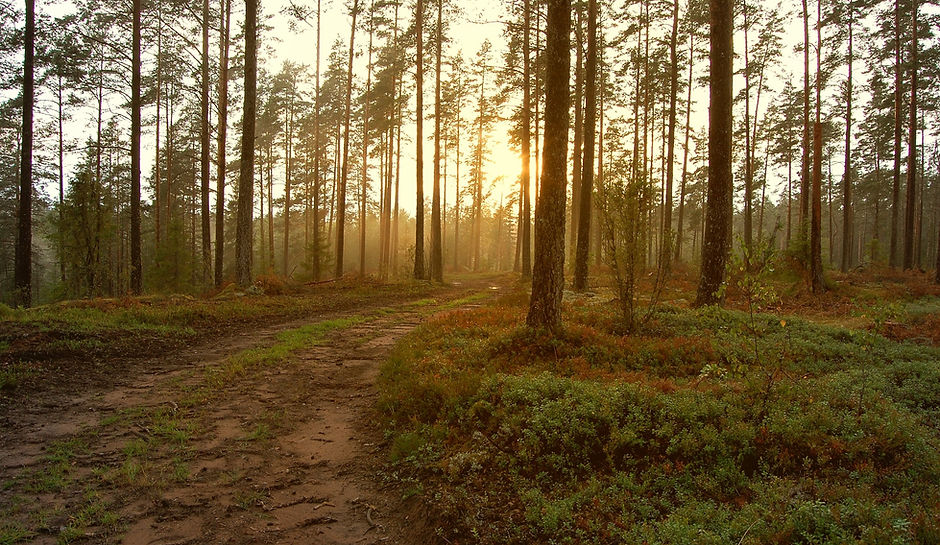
point(509, 271)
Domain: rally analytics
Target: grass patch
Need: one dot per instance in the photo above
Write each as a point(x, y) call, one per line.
point(94, 512)
point(13, 374)
point(287, 343)
point(12, 532)
point(708, 426)
point(248, 499)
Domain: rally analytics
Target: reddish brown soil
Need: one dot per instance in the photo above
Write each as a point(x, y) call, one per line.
point(314, 474)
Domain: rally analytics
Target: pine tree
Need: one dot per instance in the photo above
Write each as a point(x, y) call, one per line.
point(549, 267)
point(587, 176)
point(243, 241)
point(716, 244)
point(23, 282)
point(225, 28)
point(136, 104)
point(419, 273)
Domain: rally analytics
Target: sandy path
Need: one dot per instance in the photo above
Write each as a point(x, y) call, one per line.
point(314, 480)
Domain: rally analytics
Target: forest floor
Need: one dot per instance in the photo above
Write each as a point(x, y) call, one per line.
point(785, 417)
point(242, 433)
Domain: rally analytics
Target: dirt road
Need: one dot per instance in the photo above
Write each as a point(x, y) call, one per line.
point(286, 452)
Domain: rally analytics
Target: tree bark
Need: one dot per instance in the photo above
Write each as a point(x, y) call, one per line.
point(671, 138)
point(156, 160)
point(526, 145)
point(578, 152)
point(437, 252)
point(847, 210)
point(243, 232)
point(685, 152)
point(805, 166)
point(716, 244)
point(288, 182)
point(341, 191)
point(548, 273)
point(587, 175)
point(419, 142)
point(225, 30)
point(23, 270)
point(910, 210)
point(816, 270)
point(204, 150)
point(317, 182)
point(364, 189)
point(136, 267)
point(748, 165)
point(896, 187)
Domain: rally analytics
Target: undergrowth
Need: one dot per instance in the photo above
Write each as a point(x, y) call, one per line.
point(706, 426)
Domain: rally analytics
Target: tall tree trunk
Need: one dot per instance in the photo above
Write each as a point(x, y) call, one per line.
point(204, 145)
point(437, 257)
point(548, 275)
point(671, 138)
point(578, 155)
point(170, 156)
point(136, 287)
point(341, 191)
point(763, 193)
point(476, 228)
point(419, 142)
point(397, 218)
point(789, 197)
point(910, 211)
point(61, 167)
point(832, 230)
point(587, 174)
point(748, 166)
point(288, 182)
point(225, 32)
point(876, 228)
point(261, 171)
point(457, 197)
point(23, 270)
point(156, 161)
point(805, 166)
point(816, 270)
point(526, 145)
point(270, 165)
point(317, 182)
point(243, 236)
point(364, 190)
point(685, 152)
point(896, 187)
point(847, 210)
point(598, 243)
point(716, 244)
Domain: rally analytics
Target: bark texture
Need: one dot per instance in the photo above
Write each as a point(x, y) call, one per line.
point(587, 165)
point(548, 275)
point(716, 241)
point(23, 268)
point(243, 230)
point(136, 272)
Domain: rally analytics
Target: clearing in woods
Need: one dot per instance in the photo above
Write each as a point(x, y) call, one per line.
point(264, 436)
